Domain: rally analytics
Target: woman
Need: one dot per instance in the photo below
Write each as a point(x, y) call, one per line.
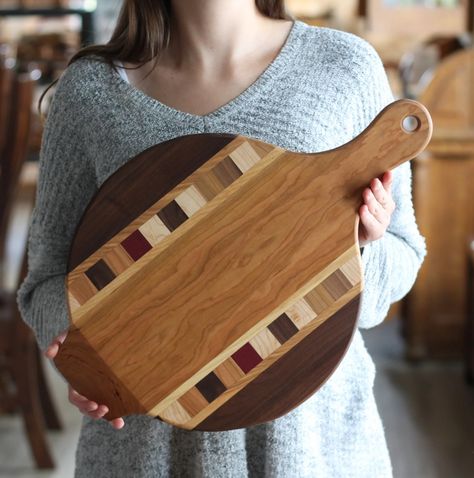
point(241, 67)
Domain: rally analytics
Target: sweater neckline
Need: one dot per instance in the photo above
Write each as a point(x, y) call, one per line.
point(268, 73)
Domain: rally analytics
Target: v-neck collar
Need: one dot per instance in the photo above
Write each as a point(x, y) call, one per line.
point(142, 98)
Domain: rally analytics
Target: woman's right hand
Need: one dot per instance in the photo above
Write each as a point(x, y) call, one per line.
point(85, 406)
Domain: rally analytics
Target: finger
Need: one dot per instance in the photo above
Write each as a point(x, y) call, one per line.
point(387, 181)
point(381, 195)
point(82, 403)
point(370, 228)
point(373, 230)
point(117, 423)
point(75, 395)
point(362, 230)
point(375, 208)
point(51, 351)
point(85, 406)
point(99, 413)
point(61, 337)
point(53, 348)
point(88, 407)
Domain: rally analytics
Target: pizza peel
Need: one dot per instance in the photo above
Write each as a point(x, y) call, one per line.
point(214, 280)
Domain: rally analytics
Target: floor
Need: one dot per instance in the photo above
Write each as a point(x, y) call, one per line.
point(15, 459)
point(427, 410)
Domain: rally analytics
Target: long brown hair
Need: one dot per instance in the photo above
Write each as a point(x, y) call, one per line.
point(142, 32)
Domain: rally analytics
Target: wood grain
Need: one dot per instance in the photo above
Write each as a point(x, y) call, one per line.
point(260, 367)
point(291, 380)
point(120, 200)
point(255, 249)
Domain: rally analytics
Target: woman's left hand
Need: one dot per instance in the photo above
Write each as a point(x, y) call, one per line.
point(376, 211)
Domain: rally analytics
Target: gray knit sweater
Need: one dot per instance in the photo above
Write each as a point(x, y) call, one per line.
point(323, 88)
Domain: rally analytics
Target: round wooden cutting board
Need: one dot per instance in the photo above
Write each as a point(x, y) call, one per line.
point(214, 280)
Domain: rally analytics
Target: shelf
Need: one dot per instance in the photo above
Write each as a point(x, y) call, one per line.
point(87, 16)
point(47, 12)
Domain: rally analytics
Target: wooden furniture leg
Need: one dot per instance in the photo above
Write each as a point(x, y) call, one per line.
point(469, 358)
point(26, 378)
point(49, 411)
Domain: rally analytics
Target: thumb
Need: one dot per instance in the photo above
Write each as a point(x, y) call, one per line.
point(61, 337)
point(53, 348)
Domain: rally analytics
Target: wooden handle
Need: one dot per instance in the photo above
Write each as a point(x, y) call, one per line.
point(382, 146)
point(397, 145)
point(396, 149)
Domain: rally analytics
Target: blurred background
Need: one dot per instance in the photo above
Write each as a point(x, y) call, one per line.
point(424, 352)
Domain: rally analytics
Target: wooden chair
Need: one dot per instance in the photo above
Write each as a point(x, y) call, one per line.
point(417, 66)
point(443, 199)
point(15, 146)
point(6, 81)
point(20, 358)
point(469, 357)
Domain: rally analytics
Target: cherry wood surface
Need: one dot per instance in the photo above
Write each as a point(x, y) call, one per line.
point(214, 280)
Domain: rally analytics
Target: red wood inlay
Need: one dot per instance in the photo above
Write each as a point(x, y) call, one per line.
point(247, 358)
point(136, 245)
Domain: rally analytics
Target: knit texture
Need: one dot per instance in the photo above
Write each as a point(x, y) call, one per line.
point(323, 88)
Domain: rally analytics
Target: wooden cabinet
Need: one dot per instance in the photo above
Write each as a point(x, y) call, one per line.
point(435, 312)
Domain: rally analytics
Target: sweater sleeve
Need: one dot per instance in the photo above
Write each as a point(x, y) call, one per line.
point(391, 264)
point(66, 184)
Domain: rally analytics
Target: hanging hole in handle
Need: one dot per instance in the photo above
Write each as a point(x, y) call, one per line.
point(411, 124)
